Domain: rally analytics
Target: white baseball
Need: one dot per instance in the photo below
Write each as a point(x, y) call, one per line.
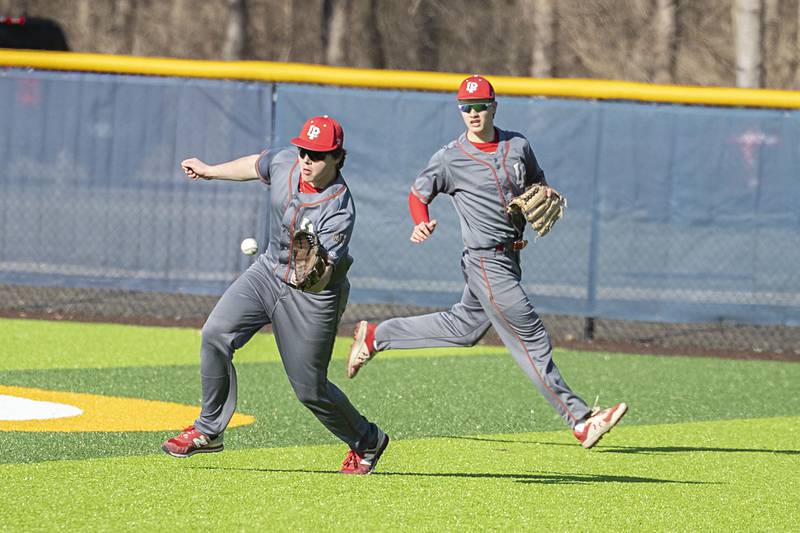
point(249, 246)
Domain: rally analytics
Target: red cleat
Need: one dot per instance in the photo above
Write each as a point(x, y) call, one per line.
point(362, 465)
point(599, 424)
point(190, 441)
point(362, 349)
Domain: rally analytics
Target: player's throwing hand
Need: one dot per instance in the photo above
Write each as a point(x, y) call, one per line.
point(422, 231)
point(195, 169)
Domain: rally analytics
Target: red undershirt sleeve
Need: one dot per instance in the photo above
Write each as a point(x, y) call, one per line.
point(419, 211)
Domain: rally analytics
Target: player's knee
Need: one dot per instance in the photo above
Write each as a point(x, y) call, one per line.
point(471, 340)
point(473, 337)
point(216, 332)
point(309, 396)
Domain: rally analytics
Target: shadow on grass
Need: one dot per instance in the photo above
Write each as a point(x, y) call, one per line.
point(544, 478)
point(654, 450)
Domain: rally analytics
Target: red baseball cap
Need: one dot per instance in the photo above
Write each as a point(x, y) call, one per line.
point(476, 88)
point(320, 134)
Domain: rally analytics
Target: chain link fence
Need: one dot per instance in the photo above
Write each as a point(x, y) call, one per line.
point(186, 310)
point(682, 233)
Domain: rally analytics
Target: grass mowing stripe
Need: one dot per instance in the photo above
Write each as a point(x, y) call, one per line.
point(710, 476)
point(734, 474)
point(39, 344)
point(424, 397)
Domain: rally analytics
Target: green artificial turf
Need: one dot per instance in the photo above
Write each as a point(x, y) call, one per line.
point(418, 397)
point(707, 444)
point(711, 476)
point(37, 344)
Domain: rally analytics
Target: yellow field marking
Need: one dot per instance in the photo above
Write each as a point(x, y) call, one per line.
point(107, 413)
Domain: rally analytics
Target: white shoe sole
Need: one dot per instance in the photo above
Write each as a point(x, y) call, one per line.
point(359, 339)
point(191, 453)
point(616, 417)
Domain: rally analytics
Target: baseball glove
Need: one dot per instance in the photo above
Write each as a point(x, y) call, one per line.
point(539, 209)
point(309, 259)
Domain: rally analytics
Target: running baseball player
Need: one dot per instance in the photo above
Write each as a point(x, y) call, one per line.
point(483, 170)
point(309, 203)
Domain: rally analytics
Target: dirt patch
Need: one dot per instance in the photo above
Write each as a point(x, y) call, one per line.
point(725, 340)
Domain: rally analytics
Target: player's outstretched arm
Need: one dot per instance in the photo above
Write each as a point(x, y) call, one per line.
point(242, 169)
point(422, 231)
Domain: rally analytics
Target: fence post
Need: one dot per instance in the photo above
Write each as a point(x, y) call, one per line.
point(588, 328)
point(594, 235)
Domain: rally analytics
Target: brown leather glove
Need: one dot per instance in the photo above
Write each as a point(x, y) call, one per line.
point(539, 209)
point(309, 259)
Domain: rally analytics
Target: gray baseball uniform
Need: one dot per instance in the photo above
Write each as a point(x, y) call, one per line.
point(481, 186)
point(304, 323)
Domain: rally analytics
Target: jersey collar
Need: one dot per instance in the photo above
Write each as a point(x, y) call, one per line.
point(470, 148)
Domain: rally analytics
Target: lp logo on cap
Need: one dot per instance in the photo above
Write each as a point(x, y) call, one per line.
point(472, 86)
point(313, 132)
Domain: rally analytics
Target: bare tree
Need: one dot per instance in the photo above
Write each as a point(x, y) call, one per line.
point(665, 45)
point(178, 12)
point(366, 45)
point(797, 50)
point(235, 44)
point(772, 22)
point(85, 27)
point(602, 38)
point(423, 17)
point(749, 42)
point(748, 30)
point(14, 8)
point(335, 25)
point(540, 15)
point(287, 37)
point(122, 26)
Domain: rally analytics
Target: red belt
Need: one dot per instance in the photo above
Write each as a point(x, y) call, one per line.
point(513, 246)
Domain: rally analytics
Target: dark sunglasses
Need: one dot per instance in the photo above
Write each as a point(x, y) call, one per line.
point(312, 155)
point(466, 108)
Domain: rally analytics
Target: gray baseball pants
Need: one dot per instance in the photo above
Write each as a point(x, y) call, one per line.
point(304, 325)
point(493, 296)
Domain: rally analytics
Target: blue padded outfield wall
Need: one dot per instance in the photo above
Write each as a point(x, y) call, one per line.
point(91, 193)
point(676, 213)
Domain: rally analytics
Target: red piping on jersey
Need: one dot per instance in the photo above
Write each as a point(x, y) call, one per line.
point(508, 178)
point(294, 219)
point(290, 182)
point(496, 179)
point(521, 342)
point(418, 194)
